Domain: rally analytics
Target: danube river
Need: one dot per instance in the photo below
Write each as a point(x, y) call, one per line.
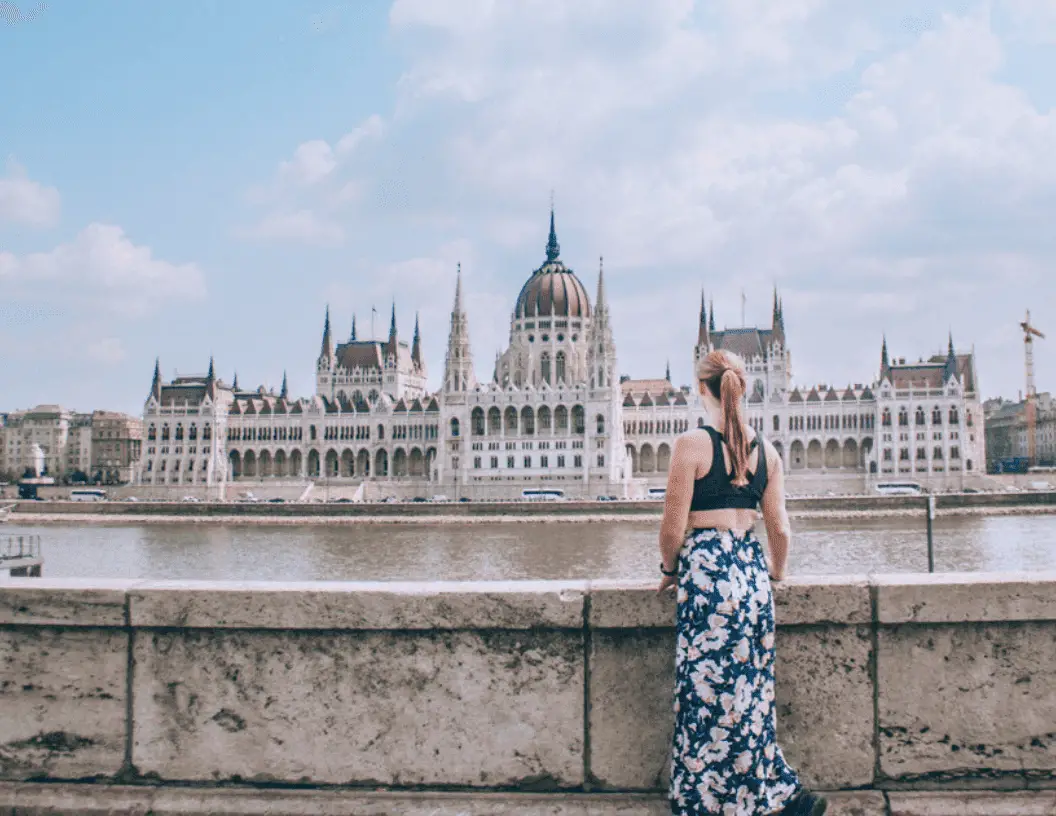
point(487, 551)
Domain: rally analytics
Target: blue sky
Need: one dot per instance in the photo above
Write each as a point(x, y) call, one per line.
point(203, 178)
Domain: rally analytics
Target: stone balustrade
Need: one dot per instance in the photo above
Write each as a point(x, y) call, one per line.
point(891, 688)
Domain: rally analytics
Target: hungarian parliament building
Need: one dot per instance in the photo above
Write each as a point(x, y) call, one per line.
point(555, 413)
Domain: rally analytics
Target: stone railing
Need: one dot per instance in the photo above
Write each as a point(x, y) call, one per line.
point(885, 684)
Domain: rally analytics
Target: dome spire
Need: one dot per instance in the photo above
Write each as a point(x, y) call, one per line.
point(553, 249)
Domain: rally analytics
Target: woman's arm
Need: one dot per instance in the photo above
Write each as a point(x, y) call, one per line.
point(679, 496)
point(775, 515)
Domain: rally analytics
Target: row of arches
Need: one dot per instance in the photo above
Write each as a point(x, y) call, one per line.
point(527, 421)
point(814, 455)
point(416, 463)
point(647, 459)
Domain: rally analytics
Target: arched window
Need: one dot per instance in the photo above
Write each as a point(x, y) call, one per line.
point(936, 453)
point(152, 433)
point(700, 422)
point(544, 367)
point(192, 433)
point(164, 433)
point(968, 422)
point(179, 432)
point(777, 423)
point(579, 420)
point(920, 418)
point(454, 426)
point(560, 367)
point(477, 422)
point(903, 417)
point(207, 433)
point(885, 418)
point(601, 424)
point(936, 416)
point(953, 415)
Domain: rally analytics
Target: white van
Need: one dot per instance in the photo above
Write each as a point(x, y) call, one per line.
point(88, 494)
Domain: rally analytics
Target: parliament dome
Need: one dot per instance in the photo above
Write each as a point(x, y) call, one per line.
point(553, 290)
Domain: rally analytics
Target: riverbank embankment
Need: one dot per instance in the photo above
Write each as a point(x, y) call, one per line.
point(829, 507)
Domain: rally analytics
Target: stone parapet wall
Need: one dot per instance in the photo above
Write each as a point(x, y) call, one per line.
point(885, 683)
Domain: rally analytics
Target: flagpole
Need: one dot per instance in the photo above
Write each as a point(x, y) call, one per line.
point(373, 312)
point(744, 300)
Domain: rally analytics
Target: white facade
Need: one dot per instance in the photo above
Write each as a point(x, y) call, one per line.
point(554, 414)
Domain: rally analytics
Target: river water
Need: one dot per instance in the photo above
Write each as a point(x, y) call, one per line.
point(489, 551)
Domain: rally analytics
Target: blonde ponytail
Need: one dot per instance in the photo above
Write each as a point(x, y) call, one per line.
point(722, 373)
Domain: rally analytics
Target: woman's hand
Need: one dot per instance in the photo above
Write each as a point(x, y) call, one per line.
point(667, 582)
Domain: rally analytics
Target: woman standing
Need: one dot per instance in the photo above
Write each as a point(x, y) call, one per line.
point(726, 759)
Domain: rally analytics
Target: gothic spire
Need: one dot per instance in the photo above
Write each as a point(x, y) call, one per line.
point(284, 393)
point(234, 383)
point(553, 249)
point(393, 344)
point(155, 385)
point(416, 346)
point(711, 315)
point(667, 373)
point(352, 337)
point(212, 373)
point(458, 364)
point(949, 371)
point(703, 337)
point(458, 290)
point(326, 351)
point(885, 362)
point(600, 301)
point(776, 319)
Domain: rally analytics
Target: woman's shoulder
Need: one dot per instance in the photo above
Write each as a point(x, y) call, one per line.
point(694, 439)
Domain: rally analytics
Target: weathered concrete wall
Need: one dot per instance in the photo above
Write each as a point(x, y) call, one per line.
point(884, 683)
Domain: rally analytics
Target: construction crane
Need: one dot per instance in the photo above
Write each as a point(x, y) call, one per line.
point(1029, 333)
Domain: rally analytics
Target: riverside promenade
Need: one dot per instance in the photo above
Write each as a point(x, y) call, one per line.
point(139, 512)
point(913, 695)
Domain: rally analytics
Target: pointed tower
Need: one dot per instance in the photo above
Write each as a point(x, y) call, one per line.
point(326, 350)
point(458, 364)
point(703, 336)
point(155, 385)
point(885, 362)
point(352, 337)
point(234, 382)
point(553, 249)
point(285, 392)
point(711, 316)
point(392, 345)
point(601, 347)
point(777, 322)
point(416, 347)
point(667, 372)
point(210, 380)
point(703, 346)
point(949, 371)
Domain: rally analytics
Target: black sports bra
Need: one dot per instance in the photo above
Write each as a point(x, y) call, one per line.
point(715, 489)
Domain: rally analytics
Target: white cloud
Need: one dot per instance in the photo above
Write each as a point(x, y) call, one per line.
point(303, 226)
point(24, 201)
point(879, 163)
point(101, 268)
point(313, 174)
point(106, 350)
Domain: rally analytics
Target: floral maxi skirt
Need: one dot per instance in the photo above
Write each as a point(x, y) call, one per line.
point(725, 756)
